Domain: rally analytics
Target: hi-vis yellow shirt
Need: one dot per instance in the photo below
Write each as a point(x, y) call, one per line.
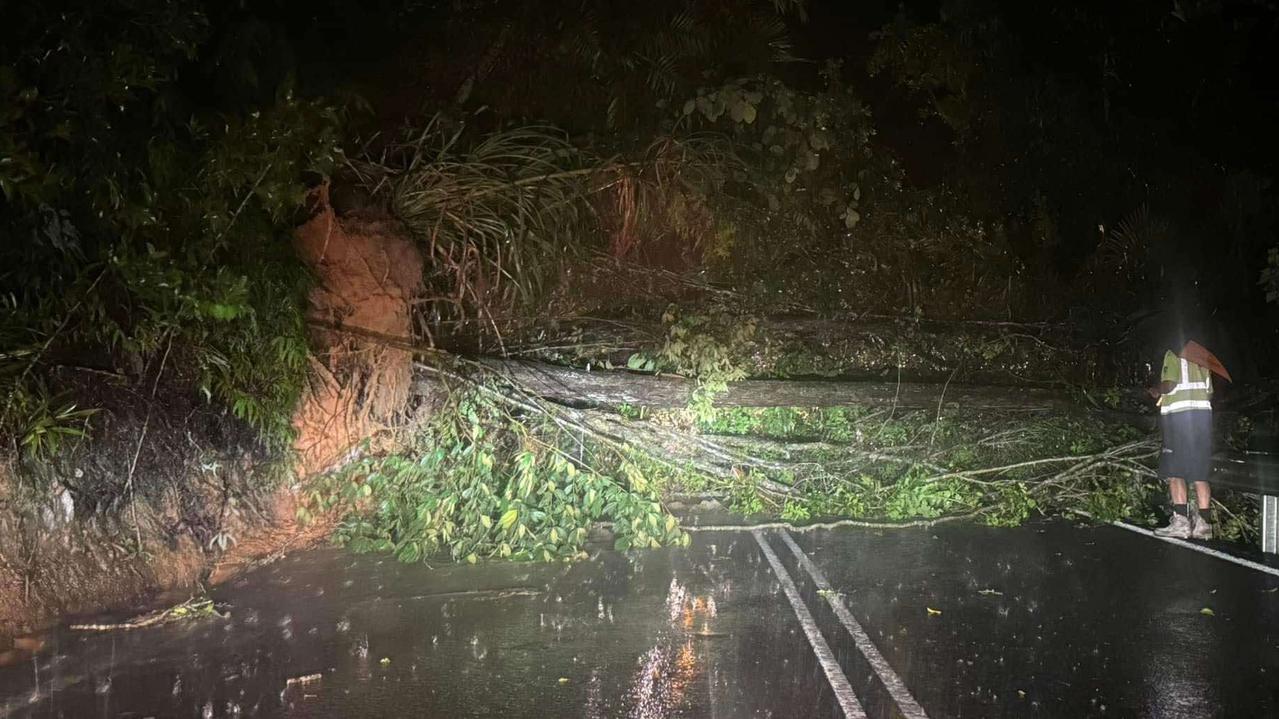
point(1192, 385)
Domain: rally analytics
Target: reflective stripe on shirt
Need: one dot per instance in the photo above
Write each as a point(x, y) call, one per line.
point(1187, 393)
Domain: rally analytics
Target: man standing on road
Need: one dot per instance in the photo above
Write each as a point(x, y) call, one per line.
point(1184, 398)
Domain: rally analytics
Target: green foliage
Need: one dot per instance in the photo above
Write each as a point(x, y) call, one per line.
point(484, 485)
point(1124, 496)
point(936, 64)
point(709, 348)
point(1014, 504)
point(1270, 276)
point(1238, 516)
point(499, 215)
point(836, 424)
point(808, 154)
point(40, 423)
point(154, 236)
point(915, 496)
point(853, 462)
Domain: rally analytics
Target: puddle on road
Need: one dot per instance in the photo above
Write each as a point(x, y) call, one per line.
point(668, 633)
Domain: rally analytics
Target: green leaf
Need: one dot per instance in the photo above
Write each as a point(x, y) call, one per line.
point(508, 518)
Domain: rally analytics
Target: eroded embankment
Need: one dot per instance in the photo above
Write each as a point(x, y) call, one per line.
point(169, 492)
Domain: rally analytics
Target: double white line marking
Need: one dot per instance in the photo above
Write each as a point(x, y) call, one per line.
point(906, 704)
point(838, 682)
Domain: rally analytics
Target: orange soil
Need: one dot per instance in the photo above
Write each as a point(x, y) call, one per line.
point(368, 273)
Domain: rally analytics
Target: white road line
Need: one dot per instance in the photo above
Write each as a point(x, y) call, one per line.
point(896, 687)
point(838, 682)
point(1201, 549)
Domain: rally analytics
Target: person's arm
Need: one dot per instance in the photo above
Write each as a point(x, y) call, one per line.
point(1168, 376)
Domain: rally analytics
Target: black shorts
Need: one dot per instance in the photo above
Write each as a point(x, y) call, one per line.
point(1187, 450)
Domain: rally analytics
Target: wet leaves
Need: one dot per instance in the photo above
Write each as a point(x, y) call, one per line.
point(933, 612)
point(1207, 612)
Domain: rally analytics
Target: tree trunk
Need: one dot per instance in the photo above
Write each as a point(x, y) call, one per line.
point(864, 348)
point(611, 388)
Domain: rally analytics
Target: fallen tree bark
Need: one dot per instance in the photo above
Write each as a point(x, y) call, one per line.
point(610, 388)
point(866, 347)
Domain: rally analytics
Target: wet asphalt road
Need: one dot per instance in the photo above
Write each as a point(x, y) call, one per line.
point(1047, 620)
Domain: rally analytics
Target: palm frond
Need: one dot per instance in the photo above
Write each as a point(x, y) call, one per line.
point(497, 216)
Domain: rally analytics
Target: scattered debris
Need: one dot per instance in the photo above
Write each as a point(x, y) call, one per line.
point(304, 679)
point(193, 608)
point(990, 592)
point(1207, 612)
point(933, 612)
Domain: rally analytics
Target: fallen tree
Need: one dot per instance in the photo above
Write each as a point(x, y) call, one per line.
point(611, 388)
point(507, 467)
point(521, 459)
point(860, 347)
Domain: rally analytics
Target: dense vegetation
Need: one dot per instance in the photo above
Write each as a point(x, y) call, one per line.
point(154, 157)
point(147, 228)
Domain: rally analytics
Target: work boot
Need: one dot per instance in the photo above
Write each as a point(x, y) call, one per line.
point(1202, 529)
point(1178, 527)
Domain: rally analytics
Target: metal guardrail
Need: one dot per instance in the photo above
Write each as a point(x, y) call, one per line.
point(1255, 472)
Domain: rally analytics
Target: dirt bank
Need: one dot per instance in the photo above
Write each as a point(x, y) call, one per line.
point(169, 492)
point(368, 274)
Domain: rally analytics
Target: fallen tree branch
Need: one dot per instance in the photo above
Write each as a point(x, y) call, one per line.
point(836, 524)
point(194, 608)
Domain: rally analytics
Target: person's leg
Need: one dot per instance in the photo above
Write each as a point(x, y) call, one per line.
point(1172, 467)
point(1203, 495)
point(1200, 470)
point(1205, 517)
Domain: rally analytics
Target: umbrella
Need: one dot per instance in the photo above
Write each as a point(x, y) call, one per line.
point(1197, 353)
